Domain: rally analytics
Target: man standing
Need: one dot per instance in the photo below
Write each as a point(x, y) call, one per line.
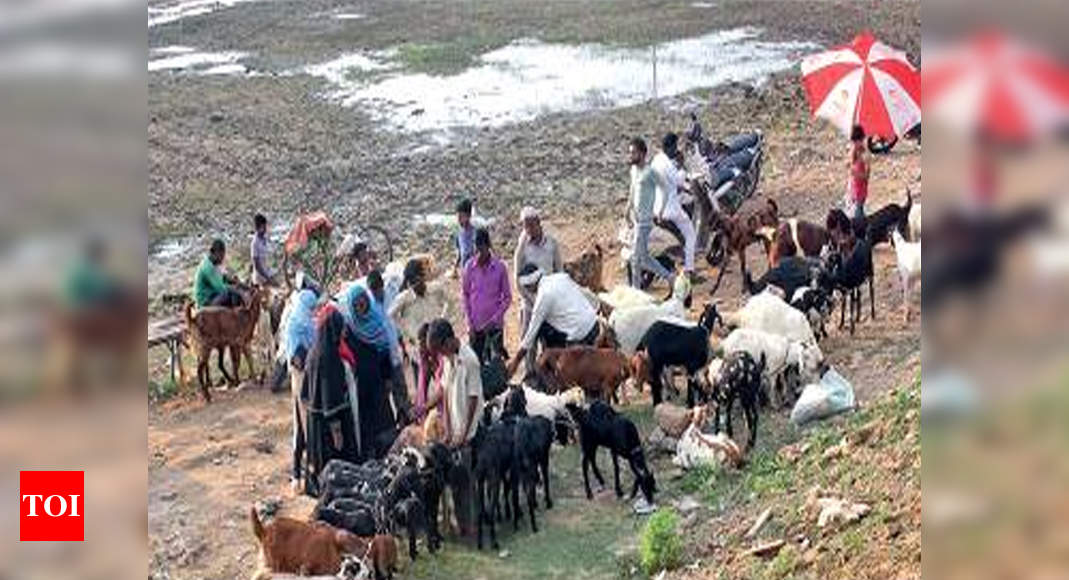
point(643, 194)
point(487, 296)
point(210, 286)
point(540, 249)
point(259, 254)
point(418, 303)
point(667, 169)
point(462, 392)
point(562, 315)
point(465, 236)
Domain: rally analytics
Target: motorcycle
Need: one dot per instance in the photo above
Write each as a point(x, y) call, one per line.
point(723, 175)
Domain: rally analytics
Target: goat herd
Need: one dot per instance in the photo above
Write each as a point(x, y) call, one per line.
point(767, 351)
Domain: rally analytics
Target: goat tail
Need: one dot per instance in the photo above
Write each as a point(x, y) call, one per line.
point(257, 525)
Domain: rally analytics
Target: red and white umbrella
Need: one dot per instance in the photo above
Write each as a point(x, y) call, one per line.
point(998, 85)
point(865, 83)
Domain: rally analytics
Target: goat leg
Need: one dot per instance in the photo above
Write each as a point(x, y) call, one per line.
point(545, 480)
point(872, 298)
point(594, 468)
point(586, 476)
point(495, 499)
point(480, 490)
point(616, 474)
point(530, 487)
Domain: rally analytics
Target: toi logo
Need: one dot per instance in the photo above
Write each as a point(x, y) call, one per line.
point(51, 506)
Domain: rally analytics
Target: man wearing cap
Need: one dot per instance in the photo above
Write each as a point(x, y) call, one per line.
point(562, 316)
point(643, 195)
point(667, 170)
point(534, 247)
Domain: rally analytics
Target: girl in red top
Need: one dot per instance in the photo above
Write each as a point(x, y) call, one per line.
point(859, 172)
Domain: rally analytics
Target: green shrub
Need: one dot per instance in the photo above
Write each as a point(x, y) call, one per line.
point(660, 546)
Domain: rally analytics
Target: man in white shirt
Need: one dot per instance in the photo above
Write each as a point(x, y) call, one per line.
point(537, 247)
point(670, 178)
point(462, 392)
point(562, 315)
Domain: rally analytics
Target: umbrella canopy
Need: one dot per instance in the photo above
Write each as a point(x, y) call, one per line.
point(866, 83)
point(994, 84)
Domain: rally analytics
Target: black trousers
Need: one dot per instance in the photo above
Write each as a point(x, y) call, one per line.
point(550, 337)
point(493, 338)
point(228, 298)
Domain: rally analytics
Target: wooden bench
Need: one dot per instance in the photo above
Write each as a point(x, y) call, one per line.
point(169, 331)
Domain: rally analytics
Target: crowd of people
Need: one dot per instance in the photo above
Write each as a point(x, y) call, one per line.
point(352, 355)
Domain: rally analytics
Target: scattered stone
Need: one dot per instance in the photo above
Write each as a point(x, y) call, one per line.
point(264, 446)
point(834, 509)
point(835, 451)
point(687, 504)
point(267, 508)
point(168, 495)
point(504, 554)
point(768, 549)
point(759, 523)
point(216, 117)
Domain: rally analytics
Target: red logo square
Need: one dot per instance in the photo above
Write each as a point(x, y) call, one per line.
point(52, 506)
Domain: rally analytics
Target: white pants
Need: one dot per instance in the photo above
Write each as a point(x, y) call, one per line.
point(690, 236)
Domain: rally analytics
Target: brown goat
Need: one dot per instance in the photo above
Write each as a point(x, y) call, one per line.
point(306, 548)
point(586, 270)
point(599, 371)
point(218, 327)
point(739, 231)
point(795, 235)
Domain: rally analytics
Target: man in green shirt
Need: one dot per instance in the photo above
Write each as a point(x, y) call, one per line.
point(210, 287)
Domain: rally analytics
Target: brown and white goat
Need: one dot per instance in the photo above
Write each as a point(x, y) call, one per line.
point(739, 231)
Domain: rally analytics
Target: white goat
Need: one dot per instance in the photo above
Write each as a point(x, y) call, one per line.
point(915, 222)
point(909, 267)
point(624, 297)
point(695, 448)
point(780, 354)
point(540, 404)
point(630, 325)
point(768, 312)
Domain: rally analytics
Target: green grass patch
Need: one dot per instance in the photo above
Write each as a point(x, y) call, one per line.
point(660, 547)
point(445, 58)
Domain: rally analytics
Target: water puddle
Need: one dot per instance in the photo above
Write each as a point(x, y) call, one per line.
point(349, 16)
point(529, 78)
point(449, 220)
point(185, 58)
point(159, 15)
point(702, 5)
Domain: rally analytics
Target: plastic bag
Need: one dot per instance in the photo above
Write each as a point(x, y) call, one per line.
point(831, 396)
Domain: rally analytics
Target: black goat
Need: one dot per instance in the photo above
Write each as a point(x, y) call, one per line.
point(740, 379)
point(891, 216)
point(492, 446)
point(670, 345)
point(600, 426)
point(848, 275)
point(435, 478)
point(533, 440)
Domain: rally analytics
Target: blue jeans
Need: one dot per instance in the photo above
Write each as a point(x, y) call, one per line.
point(640, 257)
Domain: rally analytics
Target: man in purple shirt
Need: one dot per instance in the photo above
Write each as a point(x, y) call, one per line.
point(487, 296)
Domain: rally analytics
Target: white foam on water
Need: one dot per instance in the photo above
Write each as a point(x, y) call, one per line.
point(202, 62)
point(158, 15)
point(529, 78)
point(226, 69)
point(165, 50)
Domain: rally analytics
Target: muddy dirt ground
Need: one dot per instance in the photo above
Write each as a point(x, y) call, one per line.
point(221, 148)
